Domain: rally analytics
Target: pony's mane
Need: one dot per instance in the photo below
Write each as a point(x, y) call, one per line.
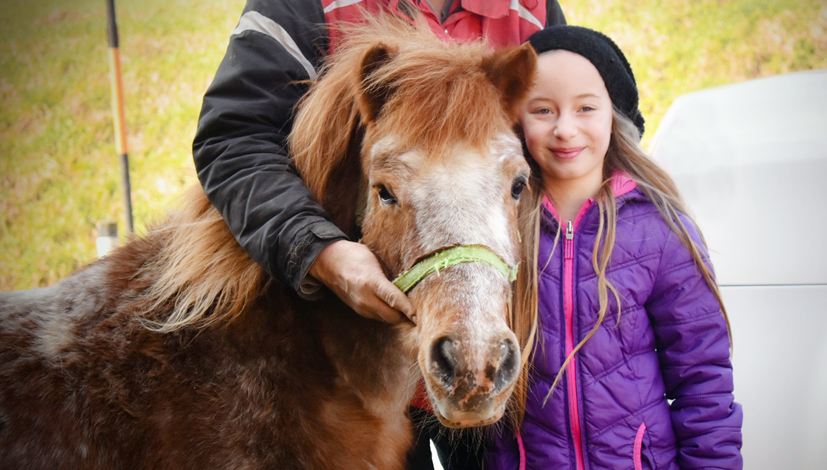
point(200, 275)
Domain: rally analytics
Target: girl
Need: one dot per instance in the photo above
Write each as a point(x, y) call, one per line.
point(630, 366)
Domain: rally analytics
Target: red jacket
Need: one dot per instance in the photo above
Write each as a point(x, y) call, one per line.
point(500, 22)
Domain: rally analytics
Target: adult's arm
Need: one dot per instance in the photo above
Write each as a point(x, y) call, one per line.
point(240, 147)
point(240, 153)
point(694, 354)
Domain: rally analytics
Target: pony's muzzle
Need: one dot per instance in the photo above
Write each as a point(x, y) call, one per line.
point(470, 385)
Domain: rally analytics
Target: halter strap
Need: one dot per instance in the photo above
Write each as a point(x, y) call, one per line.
point(450, 256)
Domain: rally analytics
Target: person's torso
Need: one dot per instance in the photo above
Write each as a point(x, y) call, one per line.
point(608, 410)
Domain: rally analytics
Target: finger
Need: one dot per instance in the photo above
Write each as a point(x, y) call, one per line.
point(401, 302)
point(394, 298)
point(366, 311)
point(388, 314)
point(373, 307)
point(363, 299)
point(364, 303)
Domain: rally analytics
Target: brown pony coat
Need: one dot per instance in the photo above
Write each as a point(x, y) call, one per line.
point(176, 351)
point(85, 384)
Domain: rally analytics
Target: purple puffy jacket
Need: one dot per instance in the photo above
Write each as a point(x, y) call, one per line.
point(655, 391)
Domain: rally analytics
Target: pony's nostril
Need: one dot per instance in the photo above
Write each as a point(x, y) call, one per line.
point(508, 366)
point(444, 361)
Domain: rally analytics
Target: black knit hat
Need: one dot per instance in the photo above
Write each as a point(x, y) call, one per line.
point(604, 54)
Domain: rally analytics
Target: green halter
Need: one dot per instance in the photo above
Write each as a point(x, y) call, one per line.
point(449, 257)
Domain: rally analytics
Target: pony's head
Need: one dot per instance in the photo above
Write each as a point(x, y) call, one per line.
point(419, 134)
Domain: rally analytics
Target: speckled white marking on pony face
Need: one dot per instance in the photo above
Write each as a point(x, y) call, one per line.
point(462, 198)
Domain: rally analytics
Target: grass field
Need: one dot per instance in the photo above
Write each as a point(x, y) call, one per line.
point(58, 166)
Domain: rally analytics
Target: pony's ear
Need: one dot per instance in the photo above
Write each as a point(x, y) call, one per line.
point(374, 93)
point(512, 72)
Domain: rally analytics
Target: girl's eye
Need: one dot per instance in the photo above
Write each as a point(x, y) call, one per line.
point(518, 186)
point(385, 196)
point(587, 108)
point(543, 111)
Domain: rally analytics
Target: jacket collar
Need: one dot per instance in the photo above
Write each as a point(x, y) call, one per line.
point(493, 8)
point(621, 185)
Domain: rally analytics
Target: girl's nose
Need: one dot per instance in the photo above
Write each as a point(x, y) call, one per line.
point(564, 128)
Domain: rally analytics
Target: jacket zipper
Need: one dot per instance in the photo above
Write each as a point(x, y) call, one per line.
point(568, 309)
point(571, 370)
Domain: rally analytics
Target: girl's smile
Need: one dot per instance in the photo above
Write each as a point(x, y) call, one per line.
point(566, 153)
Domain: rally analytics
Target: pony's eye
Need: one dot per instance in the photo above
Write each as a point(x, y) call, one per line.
point(385, 196)
point(518, 186)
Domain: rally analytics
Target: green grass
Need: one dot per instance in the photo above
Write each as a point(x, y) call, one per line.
point(58, 167)
point(59, 170)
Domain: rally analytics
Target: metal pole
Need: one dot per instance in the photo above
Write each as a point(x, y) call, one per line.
point(118, 112)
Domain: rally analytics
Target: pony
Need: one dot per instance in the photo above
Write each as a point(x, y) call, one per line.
point(177, 351)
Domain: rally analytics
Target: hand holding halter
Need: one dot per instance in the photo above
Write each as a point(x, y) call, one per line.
point(354, 274)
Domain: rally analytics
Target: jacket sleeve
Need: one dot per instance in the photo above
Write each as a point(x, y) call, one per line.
point(554, 14)
point(240, 148)
point(694, 354)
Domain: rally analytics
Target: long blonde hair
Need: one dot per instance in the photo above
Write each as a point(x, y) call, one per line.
point(624, 155)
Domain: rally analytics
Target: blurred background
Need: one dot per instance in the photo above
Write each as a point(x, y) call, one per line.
point(59, 172)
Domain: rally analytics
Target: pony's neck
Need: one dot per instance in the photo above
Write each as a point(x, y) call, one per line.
point(376, 360)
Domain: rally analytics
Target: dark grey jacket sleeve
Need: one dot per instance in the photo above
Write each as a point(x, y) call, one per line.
point(240, 148)
point(554, 14)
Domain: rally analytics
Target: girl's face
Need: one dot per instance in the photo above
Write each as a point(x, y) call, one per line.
point(567, 121)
